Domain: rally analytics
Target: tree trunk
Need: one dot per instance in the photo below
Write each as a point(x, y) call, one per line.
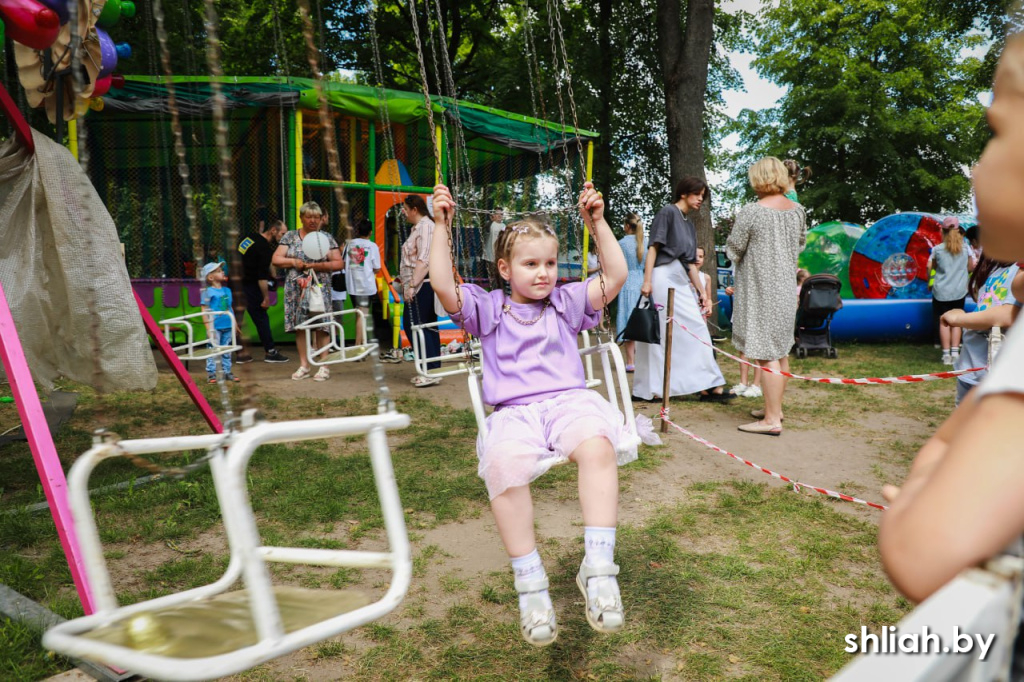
point(684, 66)
point(603, 151)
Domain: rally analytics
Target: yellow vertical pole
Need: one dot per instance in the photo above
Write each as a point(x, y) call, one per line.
point(586, 233)
point(297, 142)
point(439, 140)
point(353, 123)
point(73, 138)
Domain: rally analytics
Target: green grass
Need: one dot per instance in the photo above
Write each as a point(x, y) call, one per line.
point(732, 580)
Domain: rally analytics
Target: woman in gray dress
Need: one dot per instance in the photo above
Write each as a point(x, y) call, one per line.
point(764, 244)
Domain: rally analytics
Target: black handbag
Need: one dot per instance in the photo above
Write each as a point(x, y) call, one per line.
point(643, 324)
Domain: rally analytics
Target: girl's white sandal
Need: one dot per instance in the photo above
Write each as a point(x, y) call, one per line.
point(537, 620)
point(604, 613)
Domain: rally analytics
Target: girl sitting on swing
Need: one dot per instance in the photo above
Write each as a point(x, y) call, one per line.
point(543, 414)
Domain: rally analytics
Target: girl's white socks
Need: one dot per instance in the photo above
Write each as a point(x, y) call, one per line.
point(529, 567)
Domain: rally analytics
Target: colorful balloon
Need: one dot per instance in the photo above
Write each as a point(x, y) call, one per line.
point(30, 23)
point(108, 53)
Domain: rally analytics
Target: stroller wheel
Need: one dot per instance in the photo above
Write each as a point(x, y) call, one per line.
point(801, 352)
point(833, 353)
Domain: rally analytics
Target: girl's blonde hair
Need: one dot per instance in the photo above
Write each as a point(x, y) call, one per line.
point(802, 274)
point(768, 176)
point(528, 228)
point(953, 238)
point(633, 220)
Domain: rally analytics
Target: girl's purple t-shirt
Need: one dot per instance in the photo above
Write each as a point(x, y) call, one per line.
point(523, 363)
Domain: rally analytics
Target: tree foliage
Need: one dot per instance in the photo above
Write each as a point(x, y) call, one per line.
point(882, 103)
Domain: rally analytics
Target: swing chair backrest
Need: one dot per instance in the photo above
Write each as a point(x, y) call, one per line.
point(89, 637)
point(615, 379)
point(206, 348)
point(335, 350)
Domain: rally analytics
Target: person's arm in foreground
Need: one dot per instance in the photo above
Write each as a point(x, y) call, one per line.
point(961, 503)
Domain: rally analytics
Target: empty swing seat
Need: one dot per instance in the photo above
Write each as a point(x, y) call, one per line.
point(456, 362)
point(209, 631)
point(336, 350)
point(198, 350)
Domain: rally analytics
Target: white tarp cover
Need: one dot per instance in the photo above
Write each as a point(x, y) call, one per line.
point(57, 241)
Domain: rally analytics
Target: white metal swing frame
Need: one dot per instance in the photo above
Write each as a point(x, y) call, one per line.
point(457, 362)
point(618, 393)
point(335, 351)
point(231, 455)
point(199, 350)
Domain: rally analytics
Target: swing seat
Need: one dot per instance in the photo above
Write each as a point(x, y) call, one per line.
point(197, 350)
point(420, 359)
point(336, 351)
point(614, 371)
point(588, 362)
point(209, 631)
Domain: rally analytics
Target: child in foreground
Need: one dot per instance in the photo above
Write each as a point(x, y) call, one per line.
point(961, 503)
point(543, 414)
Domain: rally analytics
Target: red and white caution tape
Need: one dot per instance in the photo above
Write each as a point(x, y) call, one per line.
point(907, 379)
point(797, 486)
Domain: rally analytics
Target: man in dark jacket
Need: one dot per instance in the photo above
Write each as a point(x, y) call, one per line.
point(257, 249)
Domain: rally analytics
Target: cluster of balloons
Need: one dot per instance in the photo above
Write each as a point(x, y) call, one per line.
point(48, 43)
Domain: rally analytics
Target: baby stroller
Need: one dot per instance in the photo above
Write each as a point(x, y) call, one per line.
point(819, 301)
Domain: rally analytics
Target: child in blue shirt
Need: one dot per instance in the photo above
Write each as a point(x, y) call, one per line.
point(216, 297)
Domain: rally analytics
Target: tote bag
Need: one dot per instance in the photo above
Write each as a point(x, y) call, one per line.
point(315, 296)
point(643, 324)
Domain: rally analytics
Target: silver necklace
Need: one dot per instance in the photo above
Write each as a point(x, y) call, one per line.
point(507, 309)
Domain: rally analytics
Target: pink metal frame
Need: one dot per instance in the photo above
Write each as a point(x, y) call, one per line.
point(40, 441)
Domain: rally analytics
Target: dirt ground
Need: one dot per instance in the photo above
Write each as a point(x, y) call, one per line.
point(845, 457)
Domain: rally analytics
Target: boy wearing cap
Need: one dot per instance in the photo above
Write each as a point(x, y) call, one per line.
point(216, 297)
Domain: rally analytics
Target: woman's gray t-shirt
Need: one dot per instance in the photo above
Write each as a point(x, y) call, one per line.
point(950, 274)
point(676, 236)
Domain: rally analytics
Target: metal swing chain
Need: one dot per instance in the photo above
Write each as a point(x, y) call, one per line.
point(384, 401)
point(463, 156)
point(437, 154)
point(605, 329)
point(226, 182)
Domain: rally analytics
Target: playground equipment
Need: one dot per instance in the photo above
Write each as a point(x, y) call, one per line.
point(828, 250)
point(336, 349)
point(208, 632)
point(202, 349)
point(890, 260)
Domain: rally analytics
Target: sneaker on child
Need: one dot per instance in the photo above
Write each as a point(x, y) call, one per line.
point(752, 392)
point(738, 389)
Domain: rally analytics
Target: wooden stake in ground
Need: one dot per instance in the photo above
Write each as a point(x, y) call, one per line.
point(668, 355)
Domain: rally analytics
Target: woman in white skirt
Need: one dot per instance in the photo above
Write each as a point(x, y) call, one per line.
point(671, 264)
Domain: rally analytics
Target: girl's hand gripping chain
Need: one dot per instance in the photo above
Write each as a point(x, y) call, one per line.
point(591, 206)
point(442, 275)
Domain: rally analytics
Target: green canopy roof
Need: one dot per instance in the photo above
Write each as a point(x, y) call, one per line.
point(194, 95)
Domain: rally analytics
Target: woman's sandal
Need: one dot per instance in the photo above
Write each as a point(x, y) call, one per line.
point(300, 373)
point(537, 622)
point(712, 397)
point(604, 613)
point(761, 428)
point(420, 381)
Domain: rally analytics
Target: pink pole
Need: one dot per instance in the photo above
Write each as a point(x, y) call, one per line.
point(40, 441)
point(179, 369)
